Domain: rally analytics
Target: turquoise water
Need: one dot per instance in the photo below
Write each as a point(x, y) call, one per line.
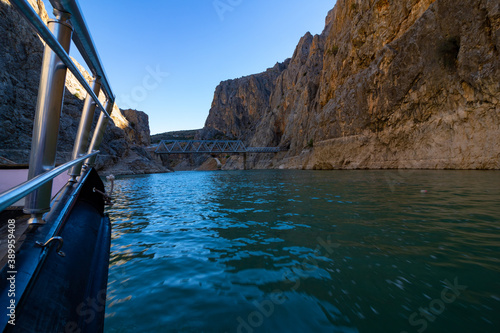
point(306, 251)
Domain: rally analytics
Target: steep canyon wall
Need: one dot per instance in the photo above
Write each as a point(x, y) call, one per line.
point(388, 84)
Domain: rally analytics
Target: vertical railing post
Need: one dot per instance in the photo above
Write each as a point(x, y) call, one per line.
point(83, 134)
point(99, 132)
point(47, 116)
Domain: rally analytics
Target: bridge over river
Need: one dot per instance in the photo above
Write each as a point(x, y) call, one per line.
point(210, 147)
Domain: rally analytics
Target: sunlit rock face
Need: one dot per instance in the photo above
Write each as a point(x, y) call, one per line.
point(20, 63)
point(388, 84)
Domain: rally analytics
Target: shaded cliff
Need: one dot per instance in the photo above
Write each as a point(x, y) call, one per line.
point(138, 130)
point(388, 84)
point(239, 104)
point(20, 63)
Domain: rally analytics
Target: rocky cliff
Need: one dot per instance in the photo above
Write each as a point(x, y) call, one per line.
point(388, 84)
point(20, 63)
point(138, 129)
point(239, 104)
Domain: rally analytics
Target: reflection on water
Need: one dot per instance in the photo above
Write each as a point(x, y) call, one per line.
point(306, 251)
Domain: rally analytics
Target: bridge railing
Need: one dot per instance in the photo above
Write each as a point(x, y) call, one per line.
point(200, 146)
point(209, 146)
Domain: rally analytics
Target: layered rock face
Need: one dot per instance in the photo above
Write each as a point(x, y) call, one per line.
point(239, 104)
point(138, 130)
point(388, 84)
point(20, 63)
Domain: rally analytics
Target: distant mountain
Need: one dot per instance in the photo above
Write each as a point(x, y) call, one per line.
point(175, 135)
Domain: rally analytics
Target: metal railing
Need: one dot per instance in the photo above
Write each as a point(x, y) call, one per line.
point(209, 146)
point(83, 41)
point(57, 34)
point(20, 191)
point(27, 11)
point(199, 146)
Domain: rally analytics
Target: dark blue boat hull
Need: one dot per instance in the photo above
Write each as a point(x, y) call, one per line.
point(66, 294)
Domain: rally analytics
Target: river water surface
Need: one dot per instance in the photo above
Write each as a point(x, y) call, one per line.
point(306, 251)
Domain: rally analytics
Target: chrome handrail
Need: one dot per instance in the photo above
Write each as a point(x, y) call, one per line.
point(25, 8)
point(69, 24)
point(84, 42)
point(9, 197)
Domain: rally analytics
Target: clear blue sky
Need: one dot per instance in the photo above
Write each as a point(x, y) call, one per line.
point(199, 43)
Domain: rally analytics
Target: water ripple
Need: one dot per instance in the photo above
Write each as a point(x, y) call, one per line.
point(304, 251)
